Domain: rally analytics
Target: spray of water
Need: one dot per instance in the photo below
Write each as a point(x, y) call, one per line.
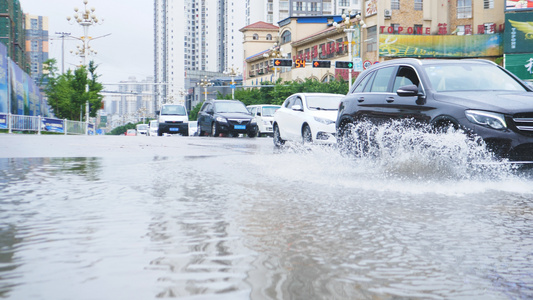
point(408, 149)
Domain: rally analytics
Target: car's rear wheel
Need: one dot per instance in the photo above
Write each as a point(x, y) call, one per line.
point(307, 136)
point(278, 142)
point(214, 130)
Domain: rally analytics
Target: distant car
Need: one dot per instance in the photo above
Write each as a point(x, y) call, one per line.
point(307, 118)
point(131, 132)
point(152, 128)
point(474, 95)
point(173, 119)
point(193, 128)
point(264, 117)
point(225, 117)
point(142, 129)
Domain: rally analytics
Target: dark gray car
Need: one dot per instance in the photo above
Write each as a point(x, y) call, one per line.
point(475, 95)
point(225, 117)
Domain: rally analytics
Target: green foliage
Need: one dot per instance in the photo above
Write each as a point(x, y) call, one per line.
point(281, 90)
point(122, 129)
point(68, 93)
point(193, 115)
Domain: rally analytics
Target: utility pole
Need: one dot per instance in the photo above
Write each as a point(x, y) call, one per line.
point(63, 35)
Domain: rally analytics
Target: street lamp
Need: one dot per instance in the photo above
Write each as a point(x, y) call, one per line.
point(275, 52)
point(232, 72)
point(349, 27)
point(85, 18)
point(205, 83)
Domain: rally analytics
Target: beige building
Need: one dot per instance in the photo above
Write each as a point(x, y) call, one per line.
point(388, 29)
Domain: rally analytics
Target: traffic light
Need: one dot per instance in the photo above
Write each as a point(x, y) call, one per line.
point(321, 64)
point(344, 65)
point(282, 62)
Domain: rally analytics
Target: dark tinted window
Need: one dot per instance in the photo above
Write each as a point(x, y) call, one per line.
point(405, 76)
point(382, 79)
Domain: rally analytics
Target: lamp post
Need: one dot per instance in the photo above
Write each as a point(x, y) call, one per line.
point(205, 83)
point(232, 72)
point(85, 18)
point(349, 27)
point(275, 52)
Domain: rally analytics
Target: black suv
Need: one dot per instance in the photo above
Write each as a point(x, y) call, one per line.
point(475, 95)
point(225, 117)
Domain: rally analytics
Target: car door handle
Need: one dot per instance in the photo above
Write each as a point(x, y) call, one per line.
point(360, 99)
point(390, 99)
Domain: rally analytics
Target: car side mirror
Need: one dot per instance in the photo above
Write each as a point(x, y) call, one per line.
point(297, 107)
point(407, 91)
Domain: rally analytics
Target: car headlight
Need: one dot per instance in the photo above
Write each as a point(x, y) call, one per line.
point(486, 119)
point(221, 120)
point(324, 121)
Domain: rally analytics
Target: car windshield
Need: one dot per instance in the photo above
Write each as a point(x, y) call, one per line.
point(329, 102)
point(142, 127)
point(470, 77)
point(173, 110)
point(268, 111)
point(224, 107)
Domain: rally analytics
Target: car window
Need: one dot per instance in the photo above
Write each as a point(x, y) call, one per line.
point(173, 110)
point(361, 85)
point(405, 76)
point(268, 111)
point(288, 103)
point(381, 82)
point(368, 85)
point(223, 107)
point(324, 102)
point(297, 101)
point(470, 77)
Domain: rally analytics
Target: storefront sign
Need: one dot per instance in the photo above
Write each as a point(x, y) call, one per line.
point(440, 46)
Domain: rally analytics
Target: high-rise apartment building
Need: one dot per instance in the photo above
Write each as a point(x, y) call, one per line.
point(12, 31)
point(36, 44)
point(194, 35)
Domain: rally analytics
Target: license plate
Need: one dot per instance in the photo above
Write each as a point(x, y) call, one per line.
point(174, 129)
point(239, 127)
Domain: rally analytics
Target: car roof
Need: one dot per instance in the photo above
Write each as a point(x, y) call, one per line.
point(319, 94)
point(434, 61)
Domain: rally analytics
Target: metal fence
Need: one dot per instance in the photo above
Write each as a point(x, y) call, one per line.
point(38, 124)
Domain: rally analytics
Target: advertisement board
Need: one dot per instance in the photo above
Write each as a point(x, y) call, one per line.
point(515, 5)
point(4, 91)
point(518, 32)
point(53, 125)
point(3, 121)
point(480, 45)
point(520, 64)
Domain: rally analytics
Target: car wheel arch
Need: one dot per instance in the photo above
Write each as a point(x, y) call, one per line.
point(444, 121)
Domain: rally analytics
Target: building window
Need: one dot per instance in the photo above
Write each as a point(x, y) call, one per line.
point(487, 4)
point(464, 9)
point(490, 28)
point(255, 37)
point(298, 5)
point(286, 37)
point(372, 39)
point(395, 4)
point(344, 3)
point(395, 28)
point(269, 37)
point(419, 5)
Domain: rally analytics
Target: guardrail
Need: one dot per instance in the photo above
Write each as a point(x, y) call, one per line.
point(40, 124)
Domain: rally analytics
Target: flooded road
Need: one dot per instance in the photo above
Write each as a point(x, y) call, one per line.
point(234, 218)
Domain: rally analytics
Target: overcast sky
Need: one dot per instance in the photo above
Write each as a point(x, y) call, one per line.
point(128, 51)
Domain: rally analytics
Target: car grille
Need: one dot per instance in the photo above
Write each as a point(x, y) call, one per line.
point(238, 121)
point(524, 123)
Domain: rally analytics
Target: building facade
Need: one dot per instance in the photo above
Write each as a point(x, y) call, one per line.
point(12, 32)
point(36, 44)
point(385, 29)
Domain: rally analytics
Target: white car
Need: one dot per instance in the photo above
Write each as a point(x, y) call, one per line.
point(142, 129)
point(193, 128)
point(152, 128)
point(264, 117)
point(307, 118)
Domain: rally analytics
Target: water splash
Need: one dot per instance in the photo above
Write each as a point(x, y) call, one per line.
point(408, 149)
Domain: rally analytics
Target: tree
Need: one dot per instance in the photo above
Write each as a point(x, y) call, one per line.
point(68, 93)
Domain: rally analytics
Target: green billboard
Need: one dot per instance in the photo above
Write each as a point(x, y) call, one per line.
point(518, 32)
point(520, 64)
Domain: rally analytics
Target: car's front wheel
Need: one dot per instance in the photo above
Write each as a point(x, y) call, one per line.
point(214, 130)
point(278, 142)
point(307, 136)
point(345, 138)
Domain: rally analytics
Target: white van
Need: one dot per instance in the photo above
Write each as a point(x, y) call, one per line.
point(264, 116)
point(142, 129)
point(173, 119)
